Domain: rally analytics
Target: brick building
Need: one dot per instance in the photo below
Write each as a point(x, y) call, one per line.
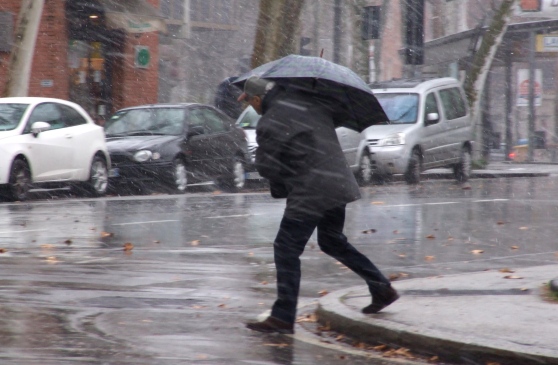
point(102, 54)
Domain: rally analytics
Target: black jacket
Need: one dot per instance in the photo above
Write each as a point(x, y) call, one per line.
point(298, 150)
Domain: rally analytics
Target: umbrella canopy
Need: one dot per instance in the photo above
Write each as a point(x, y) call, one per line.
point(326, 79)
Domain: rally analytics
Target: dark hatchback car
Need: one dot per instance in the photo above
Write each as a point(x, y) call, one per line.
point(175, 145)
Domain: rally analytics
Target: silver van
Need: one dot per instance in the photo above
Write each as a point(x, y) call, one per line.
point(429, 127)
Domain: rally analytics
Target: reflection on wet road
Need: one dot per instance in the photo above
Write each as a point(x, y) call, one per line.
point(202, 264)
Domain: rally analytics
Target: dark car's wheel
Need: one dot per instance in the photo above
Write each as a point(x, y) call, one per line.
point(97, 183)
point(19, 182)
point(412, 175)
point(179, 176)
point(237, 180)
point(364, 176)
point(462, 170)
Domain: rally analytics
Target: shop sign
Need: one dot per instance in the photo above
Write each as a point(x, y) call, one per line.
point(538, 8)
point(142, 57)
point(547, 43)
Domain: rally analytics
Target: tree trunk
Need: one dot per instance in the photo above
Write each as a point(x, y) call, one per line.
point(21, 57)
point(278, 24)
point(476, 79)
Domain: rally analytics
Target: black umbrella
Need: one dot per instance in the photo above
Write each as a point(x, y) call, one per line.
point(326, 79)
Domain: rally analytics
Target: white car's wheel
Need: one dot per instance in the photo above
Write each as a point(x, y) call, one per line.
point(237, 180)
point(19, 182)
point(364, 176)
point(180, 176)
point(412, 175)
point(462, 170)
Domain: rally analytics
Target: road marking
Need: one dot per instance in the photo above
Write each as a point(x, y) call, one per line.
point(441, 203)
point(490, 200)
point(233, 216)
point(144, 222)
point(26, 230)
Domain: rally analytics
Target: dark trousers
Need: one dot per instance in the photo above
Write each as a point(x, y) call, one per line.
point(289, 244)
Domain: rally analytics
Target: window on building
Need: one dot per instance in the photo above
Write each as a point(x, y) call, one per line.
point(173, 9)
point(6, 30)
point(212, 11)
point(371, 22)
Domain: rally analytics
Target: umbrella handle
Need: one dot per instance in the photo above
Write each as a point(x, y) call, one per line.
point(322, 53)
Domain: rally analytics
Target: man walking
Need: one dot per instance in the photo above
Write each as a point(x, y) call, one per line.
point(299, 153)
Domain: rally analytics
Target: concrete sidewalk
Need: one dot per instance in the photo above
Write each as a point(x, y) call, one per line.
point(471, 318)
point(499, 169)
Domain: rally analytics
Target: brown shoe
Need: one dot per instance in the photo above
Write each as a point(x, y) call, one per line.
point(380, 301)
point(271, 325)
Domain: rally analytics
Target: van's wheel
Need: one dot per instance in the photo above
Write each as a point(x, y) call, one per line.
point(19, 182)
point(412, 175)
point(98, 177)
point(237, 180)
point(462, 169)
point(179, 182)
point(364, 176)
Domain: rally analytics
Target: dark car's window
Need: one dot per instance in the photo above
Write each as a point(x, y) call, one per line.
point(46, 112)
point(430, 105)
point(209, 119)
point(400, 108)
point(249, 119)
point(214, 122)
point(10, 115)
point(144, 121)
point(71, 117)
point(454, 105)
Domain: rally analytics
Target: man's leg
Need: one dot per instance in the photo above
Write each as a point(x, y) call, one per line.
point(288, 246)
point(334, 243)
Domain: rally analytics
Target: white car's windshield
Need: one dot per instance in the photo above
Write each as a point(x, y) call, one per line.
point(249, 119)
point(400, 108)
point(157, 121)
point(10, 115)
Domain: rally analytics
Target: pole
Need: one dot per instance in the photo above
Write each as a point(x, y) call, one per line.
point(337, 31)
point(531, 133)
point(509, 138)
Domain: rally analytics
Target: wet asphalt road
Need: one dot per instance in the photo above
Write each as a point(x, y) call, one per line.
point(201, 265)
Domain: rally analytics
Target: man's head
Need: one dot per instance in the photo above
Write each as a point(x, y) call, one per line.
point(255, 89)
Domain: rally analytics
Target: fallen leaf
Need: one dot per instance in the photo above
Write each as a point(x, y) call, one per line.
point(250, 254)
point(512, 277)
point(434, 359)
point(396, 276)
point(202, 357)
point(514, 247)
point(106, 234)
point(222, 305)
point(506, 270)
point(377, 203)
point(311, 318)
point(380, 348)
point(323, 292)
point(402, 255)
point(128, 246)
point(264, 282)
point(217, 192)
point(3, 250)
point(156, 241)
point(429, 258)
point(282, 345)
point(477, 252)
point(68, 242)
point(198, 306)
point(500, 223)
point(524, 228)
point(492, 363)
point(372, 230)
point(47, 246)
point(339, 338)
point(450, 238)
point(195, 242)
point(396, 232)
point(431, 236)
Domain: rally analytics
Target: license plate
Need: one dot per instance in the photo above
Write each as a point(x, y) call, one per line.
point(114, 172)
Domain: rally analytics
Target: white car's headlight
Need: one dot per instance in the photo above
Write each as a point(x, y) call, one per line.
point(393, 140)
point(143, 155)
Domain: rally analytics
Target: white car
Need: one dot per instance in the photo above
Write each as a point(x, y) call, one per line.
point(46, 141)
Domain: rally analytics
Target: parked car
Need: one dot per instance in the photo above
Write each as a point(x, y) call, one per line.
point(44, 142)
point(175, 145)
point(429, 127)
point(352, 143)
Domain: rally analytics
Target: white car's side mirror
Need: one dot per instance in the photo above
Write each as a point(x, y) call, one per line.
point(39, 127)
point(432, 118)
